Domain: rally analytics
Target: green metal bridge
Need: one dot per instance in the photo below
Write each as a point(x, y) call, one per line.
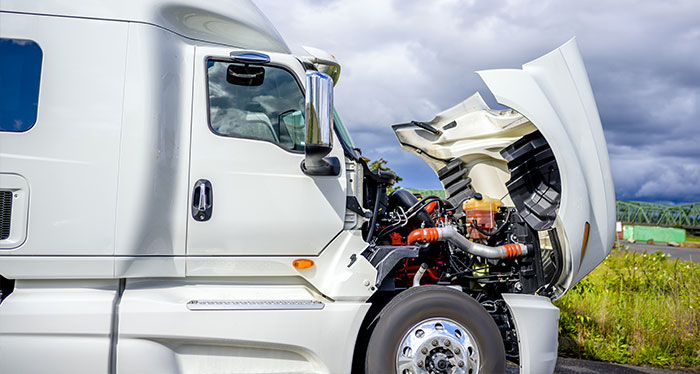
point(686, 216)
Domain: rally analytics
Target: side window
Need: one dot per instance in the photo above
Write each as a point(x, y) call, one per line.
point(20, 70)
point(257, 102)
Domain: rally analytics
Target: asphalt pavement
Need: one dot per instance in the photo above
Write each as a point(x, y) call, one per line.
point(682, 253)
point(576, 366)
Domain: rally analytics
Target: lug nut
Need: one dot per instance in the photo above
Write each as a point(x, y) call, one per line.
point(435, 343)
point(458, 351)
point(447, 343)
point(420, 364)
point(461, 364)
point(424, 351)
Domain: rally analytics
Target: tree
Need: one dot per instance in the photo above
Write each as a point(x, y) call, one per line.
point(381, 165)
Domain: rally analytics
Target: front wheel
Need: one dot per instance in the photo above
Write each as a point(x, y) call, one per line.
point(434, 330)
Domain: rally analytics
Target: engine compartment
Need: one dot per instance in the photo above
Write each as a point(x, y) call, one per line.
point(467, 240)
point(460, 250)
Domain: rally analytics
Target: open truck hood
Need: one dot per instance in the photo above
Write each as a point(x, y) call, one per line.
point(551, 95)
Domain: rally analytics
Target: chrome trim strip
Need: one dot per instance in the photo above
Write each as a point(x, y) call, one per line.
point(255, 305)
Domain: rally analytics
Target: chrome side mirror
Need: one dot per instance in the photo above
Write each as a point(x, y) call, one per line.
point(318, 117)
point(324, 62)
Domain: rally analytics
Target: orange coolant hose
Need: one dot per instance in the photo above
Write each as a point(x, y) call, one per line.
point(450, 234)
point(430, 234)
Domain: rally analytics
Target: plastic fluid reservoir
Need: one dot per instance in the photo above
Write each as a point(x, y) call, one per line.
point(483, 211)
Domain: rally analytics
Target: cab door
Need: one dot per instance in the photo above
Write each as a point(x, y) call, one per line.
point(248, 193)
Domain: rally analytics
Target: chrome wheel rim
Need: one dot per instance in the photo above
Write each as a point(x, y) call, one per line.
point(437, 346)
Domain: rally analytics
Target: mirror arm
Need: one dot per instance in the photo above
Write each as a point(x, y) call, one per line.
point(316, 163)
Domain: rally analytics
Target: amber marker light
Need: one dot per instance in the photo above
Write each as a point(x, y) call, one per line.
point(302, 263)
point(586, 230)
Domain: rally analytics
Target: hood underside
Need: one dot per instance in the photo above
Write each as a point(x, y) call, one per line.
point(546, 155)
point(473, 133)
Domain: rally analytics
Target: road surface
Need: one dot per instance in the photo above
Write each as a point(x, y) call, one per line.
point(576, 366)
point(682, 253)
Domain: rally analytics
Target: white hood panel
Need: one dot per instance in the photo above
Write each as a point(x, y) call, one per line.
point(553, 95)
point(477, 136)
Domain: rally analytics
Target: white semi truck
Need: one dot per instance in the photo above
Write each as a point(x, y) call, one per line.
point(178, 195)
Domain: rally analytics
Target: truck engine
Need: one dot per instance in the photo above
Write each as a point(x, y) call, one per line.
point(469, 241)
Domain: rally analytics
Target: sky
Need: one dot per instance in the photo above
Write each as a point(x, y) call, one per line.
point(409, 59)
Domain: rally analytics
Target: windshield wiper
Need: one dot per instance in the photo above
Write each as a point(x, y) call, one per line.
point(423, 125)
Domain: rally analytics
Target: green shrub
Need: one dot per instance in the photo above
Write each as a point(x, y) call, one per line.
point(636, 309)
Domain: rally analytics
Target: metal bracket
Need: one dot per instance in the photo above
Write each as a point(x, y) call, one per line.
point(354, 205)
point(385, 257)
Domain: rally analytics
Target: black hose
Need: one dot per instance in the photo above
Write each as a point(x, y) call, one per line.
point(425, 201)
point(392, 228)
point(410, 213)
point(374, 214)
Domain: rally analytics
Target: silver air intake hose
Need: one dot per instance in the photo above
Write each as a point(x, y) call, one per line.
point(450, 234)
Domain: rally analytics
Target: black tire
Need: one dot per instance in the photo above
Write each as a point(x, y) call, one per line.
point(423, 303)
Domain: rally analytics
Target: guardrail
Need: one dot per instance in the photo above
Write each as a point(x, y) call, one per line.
point(686, 216)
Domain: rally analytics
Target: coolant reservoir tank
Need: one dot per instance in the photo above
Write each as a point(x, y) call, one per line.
point(483, 211)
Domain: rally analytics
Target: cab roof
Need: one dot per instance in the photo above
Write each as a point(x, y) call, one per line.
point(236, 23)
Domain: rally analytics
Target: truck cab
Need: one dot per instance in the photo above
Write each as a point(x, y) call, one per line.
point(180, 195)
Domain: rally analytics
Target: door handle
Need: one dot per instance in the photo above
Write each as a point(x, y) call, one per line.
point(202, 200)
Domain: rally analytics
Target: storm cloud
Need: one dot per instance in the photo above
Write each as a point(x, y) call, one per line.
point(408, 60)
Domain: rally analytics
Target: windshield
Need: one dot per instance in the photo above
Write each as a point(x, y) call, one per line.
point(342, 131)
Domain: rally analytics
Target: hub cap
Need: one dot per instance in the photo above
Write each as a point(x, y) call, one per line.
point(437, 346)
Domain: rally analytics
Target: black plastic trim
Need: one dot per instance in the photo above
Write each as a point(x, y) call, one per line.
point(202, 211)
point(354, 205)
point(329, 166)
point(114, 333)
point(5, 214)
point(535, 183)
point(385, 257)
point(456, 183)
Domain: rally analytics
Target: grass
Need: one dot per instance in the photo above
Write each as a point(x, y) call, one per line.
point(692, 238)
point(640, 309)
